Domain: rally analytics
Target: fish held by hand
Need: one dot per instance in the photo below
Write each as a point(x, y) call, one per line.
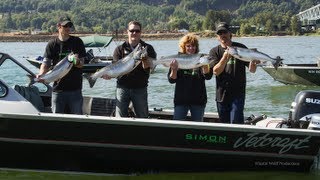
point(248, 55)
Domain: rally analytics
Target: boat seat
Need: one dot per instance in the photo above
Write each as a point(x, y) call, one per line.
point(99, 106)
point(31, 93)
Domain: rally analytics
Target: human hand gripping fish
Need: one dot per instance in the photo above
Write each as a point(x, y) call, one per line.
point(174, 69)
point(249, 55)
point(119, 68)
point(61, 69)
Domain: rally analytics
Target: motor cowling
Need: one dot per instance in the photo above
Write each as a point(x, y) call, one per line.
point(314, 122)
point(306, 107)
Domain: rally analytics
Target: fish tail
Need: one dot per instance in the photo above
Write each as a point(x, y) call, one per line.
point(91, 80)
point(32, 81)
point(152, 66)
point(153, 62)
point(277, 62)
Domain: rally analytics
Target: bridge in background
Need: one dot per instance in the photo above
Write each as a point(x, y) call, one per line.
point(310, 17)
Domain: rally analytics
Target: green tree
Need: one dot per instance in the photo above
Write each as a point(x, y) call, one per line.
point(245, 29)
point(295, 26)
point(214, 17)
point(269, 27)
point(36, 23)
point(178, 24)
point(9, 24)
point(210, 20)
point(114, 15)
point(98, 29)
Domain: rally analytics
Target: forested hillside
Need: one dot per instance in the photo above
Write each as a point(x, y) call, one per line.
point(107, 16)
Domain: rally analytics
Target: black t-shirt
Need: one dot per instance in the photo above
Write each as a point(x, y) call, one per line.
point(56, 50)
point(231, 82)
point(190, 86)
point(138, 78)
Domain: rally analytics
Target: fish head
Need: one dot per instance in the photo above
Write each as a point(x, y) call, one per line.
point(140, 53)
point(71, 58)
point(137, 48)
point(232, 50)
point(204, 60)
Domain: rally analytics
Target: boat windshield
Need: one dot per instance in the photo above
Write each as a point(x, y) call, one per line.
point(3, 90)
point(13, 73)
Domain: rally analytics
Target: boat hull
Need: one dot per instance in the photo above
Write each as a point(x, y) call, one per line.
point(110, 145)
point(296, 74)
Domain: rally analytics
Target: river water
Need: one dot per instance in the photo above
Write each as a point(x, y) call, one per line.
point(264, 95)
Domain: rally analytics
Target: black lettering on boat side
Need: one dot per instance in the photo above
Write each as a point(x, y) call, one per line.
point(263, 140)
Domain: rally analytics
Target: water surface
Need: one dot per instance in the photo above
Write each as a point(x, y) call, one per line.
point(264, 95)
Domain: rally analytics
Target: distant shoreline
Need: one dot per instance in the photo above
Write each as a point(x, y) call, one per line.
point(11, 37)
point(16, 37)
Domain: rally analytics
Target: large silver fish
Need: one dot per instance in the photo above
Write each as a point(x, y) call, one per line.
point(61, 69)
point(185, 61)
point(248, 55)
point(121, 67)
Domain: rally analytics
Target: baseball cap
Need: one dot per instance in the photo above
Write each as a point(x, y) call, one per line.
point(222, 27)
point(64, 20)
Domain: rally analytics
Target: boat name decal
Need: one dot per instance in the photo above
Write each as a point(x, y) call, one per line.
point(312, 101)
point(206, 138)
point(315, 122)
point(263, 140)
point(313, 71)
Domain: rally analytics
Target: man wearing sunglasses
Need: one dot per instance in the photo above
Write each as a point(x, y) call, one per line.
point(67, 92)
point(230, 77)
point(132, 87)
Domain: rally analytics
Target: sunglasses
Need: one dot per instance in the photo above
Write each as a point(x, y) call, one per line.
point(67, 26)
point(222, 32)
point(135, 30)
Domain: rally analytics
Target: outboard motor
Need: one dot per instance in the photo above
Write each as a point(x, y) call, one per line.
point(315, 122)
point(305, 109)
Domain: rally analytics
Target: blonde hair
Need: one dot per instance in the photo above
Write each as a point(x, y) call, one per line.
point(188, 39)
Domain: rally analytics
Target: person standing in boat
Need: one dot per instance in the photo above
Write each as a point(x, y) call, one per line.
point(133, 87)
point(230, 77)
point(190, 89)
point(67, 92)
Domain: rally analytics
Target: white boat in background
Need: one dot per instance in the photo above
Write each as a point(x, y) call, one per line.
point(92, 62)
point(296, 74)
point(31, 137)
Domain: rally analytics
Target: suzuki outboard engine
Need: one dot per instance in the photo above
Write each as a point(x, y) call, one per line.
point(305, 110)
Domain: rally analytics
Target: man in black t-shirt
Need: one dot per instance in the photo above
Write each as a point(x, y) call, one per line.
point(67, 92)
point(230, 78)
point(133, 87)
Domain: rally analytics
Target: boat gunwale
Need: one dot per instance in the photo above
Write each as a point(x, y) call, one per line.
point(293, 67)
point(157, 123)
